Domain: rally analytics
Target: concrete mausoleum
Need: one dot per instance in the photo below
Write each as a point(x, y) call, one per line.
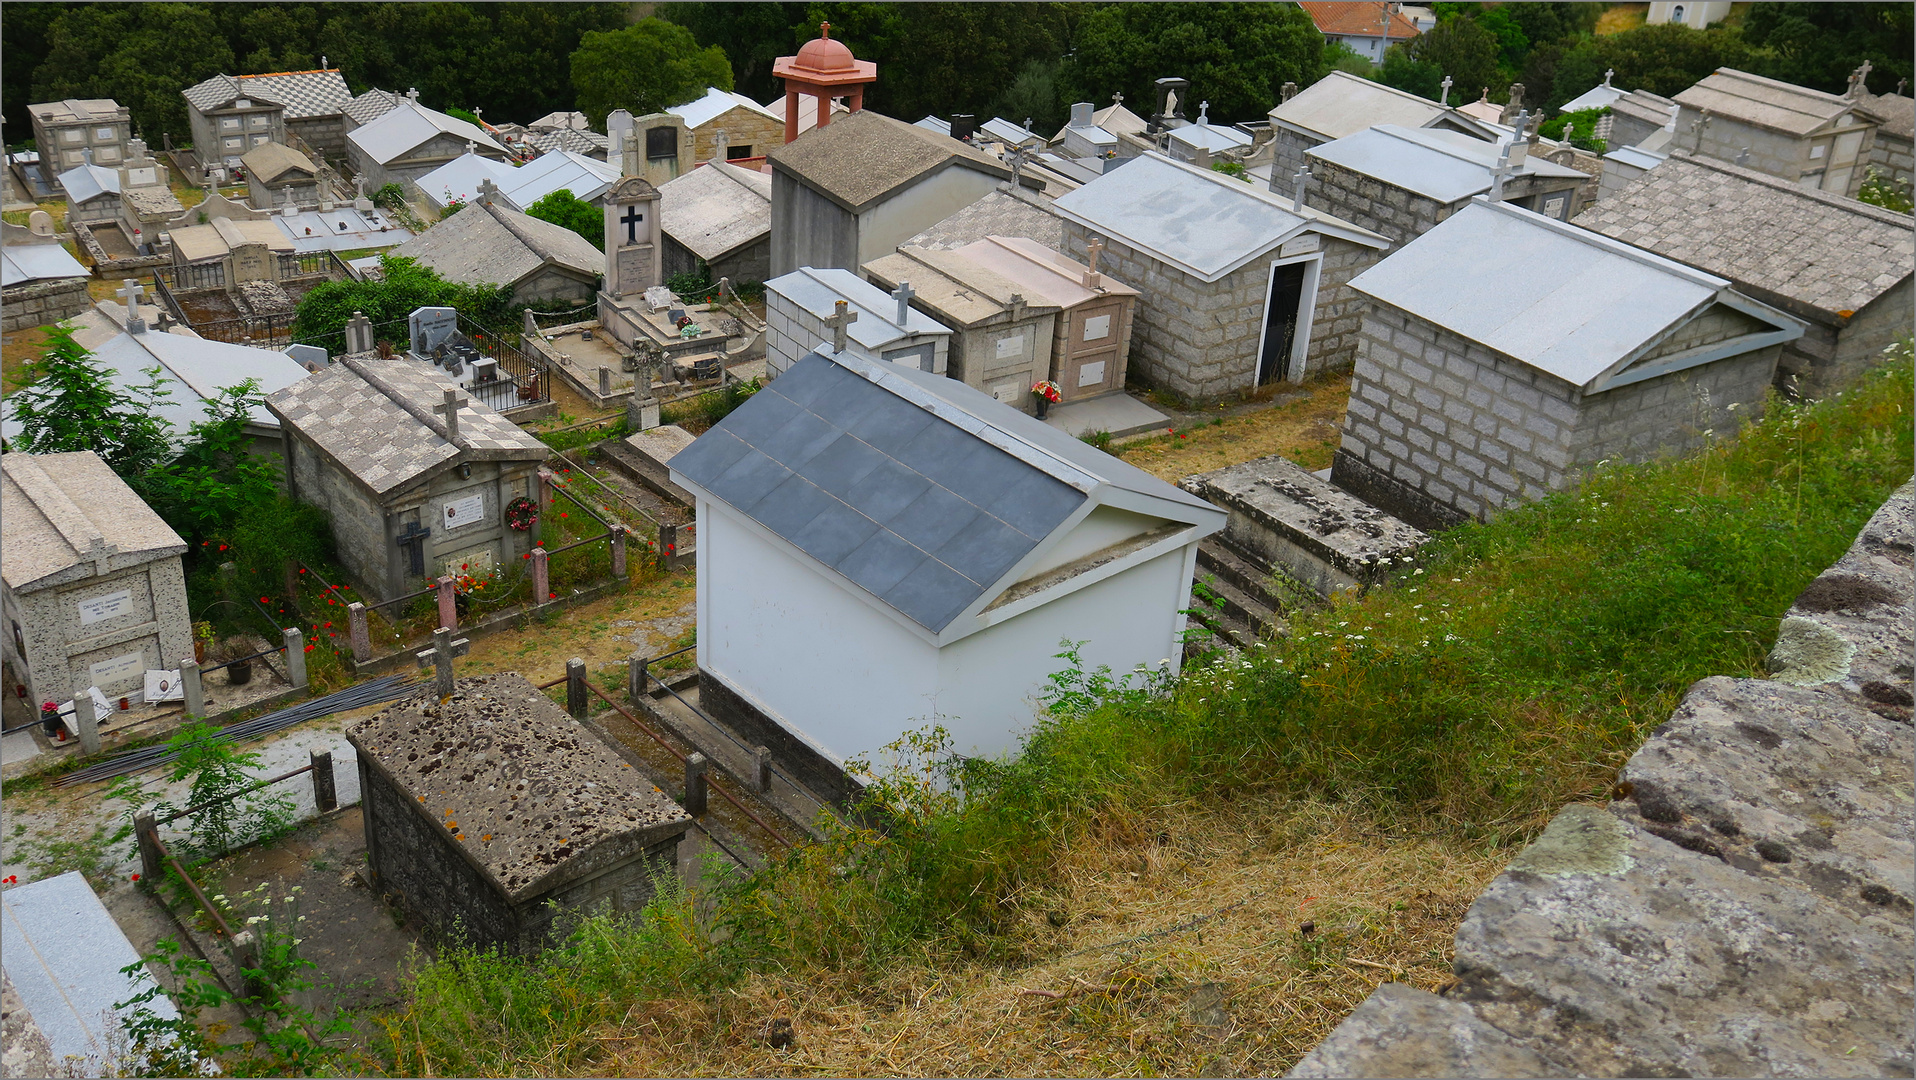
point(1001, 338)
point(91, 580)
point(1505, 352)
point(494, 817)
point(1341, 104)
point(408, 140)
point(538, 263)
point(1007, 211)
point(1238, 288)
point(1816, 140)
point(1090, 347)
point(800, 309)
point(415, 475)
point(1840, 265)
point(718, 217)
point(870, 529)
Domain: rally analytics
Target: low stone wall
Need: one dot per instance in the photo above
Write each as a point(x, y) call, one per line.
point(1742, 909)
point(42, 302)
point(103, 266)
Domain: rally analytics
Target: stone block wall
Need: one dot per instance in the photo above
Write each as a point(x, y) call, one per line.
point(555, 286)
point(1742, 907)
point(61, 650)
point(42, 302)
point(743, 128)
point(326, 134)
point(1860, 343)
point(1382, 208)
point(1440, 429)
point(1893, 155)
point(1287, 156)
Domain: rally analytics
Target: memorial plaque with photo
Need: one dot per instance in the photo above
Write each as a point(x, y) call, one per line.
point(428, 326)
point(470, 510)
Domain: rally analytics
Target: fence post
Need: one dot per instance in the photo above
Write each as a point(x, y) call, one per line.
point(362, 636)
point(575, 693)
point(541, 577)
point(618, 549)
point(87, 722)
point(147, 833)
point(448, 609)
point(246, 958)
point(635, 675)
point(668, 546)
point(605, 382)
point(695, 785)
point(192, 694)
point(291, 569)
point(762, 768)
point(295, 656)
point(325, 791)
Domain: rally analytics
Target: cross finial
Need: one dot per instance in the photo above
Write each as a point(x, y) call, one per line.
point(1743, 156)
point(824, 30)
point(839, 320)
point(1607, 75)
point(471, 146)
point(1498, 174)
point(903, 295)
point(1299, 180)
point(449, 408)
point(1444, 98)
point(444, 649)
point(1093, 251)
point(1204, 113)
point(130, 291)
point(487, 189)
point(1117, 98)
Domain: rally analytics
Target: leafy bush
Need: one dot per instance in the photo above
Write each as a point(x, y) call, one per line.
point(405, 286)
point(1582, 125)
point(391, 196)
point(1888, 192)
point(564, 210)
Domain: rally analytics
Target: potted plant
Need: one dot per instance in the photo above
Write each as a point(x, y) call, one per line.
point(202, 637)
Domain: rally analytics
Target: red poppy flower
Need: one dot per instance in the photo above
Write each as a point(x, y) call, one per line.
point(136, 877)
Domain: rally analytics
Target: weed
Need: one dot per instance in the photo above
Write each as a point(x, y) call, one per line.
point(1099, 438)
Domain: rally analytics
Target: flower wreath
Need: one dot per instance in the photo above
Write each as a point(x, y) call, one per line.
point(522, 514)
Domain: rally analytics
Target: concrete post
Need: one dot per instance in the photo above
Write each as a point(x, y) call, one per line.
point(246, 958)
point(192, 694)
point(295, 656)
point(575, 692)
point(762, 768)
point(668, 546)
point(605, 382)
point(541, 578)
point(325, 790)
point(635, 677)
point(448, 608)
point(87, 722)
point(147, 833)
point(361, 634)
point(695, 790)
point(618, 553)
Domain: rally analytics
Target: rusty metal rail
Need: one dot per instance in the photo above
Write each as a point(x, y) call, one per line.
point(229, 798)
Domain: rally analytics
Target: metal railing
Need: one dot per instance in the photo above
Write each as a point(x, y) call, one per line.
point(305, 264)
point(191, 278)
point(265, 331)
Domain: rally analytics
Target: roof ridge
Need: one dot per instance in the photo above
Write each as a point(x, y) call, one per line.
point(1614, 246)
point(54, 504)
point(1848, 205)
point(358, 366)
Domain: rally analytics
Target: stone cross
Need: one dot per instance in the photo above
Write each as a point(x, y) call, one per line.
point(130, 291)
point(839, 320)
point(444, 649)
point(1204, 114)
point(721, 142)
point(359, 185)
point(903, 295)
point(1093, 251)
point(1299, 181)
point(412, 95)
point(1497, 175)
point(487, 189)
point(1117, 98)
point(1607, 75)
point(1858, 78)
point(471, 146)
point(1444, 98)
point(1743, 156)
point(449, 409)
point(414, 540)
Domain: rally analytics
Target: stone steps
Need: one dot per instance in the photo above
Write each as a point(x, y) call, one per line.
point(1219, 559)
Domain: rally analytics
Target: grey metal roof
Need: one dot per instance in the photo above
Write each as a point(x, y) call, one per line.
point(341, 229)
point(374, 417)
point(818, 292)
point(491, 245)
point(458, 180)
point(1819, 250)
point(1007, 131)
point(1443, 165)
point(912, 491)
point(1341, 104)
point(717, 103)
point(37, 262)
point(1636, 157)
point(716, 209)
point(84, 183)
point(999, 213)
point(586, 178)
point(934, 125)
point(1561, 299)
point(1198, 220)
point(1599, 96)
point(408, 124)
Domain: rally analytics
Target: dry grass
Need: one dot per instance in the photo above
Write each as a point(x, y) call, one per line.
point(16, 351)
point(1303, 429)
point(1233, 987)
point(1620, 17)
point(602, 632)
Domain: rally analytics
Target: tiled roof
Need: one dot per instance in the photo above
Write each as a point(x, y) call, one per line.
point(372, 105)
point(303, 94)
point(862, 157)
point(1000, 213)
point(491, 245)
point(1822, 251)
point(588, 143)
point(1352, 19)
point(1898, 113)
point(374, 417)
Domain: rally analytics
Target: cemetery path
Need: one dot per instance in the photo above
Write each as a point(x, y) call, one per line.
point(1301, 424)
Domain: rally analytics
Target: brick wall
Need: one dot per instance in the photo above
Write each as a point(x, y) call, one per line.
point(42, 302)
point(1440, 428)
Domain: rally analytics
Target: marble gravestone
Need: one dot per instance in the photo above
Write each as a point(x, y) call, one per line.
point(430, 326)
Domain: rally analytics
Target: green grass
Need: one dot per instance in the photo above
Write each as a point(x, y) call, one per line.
point(1506, 673)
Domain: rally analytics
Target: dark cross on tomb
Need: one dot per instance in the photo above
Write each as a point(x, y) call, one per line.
point(840, 319)
point(414, 541)
point(444, 648)
point(631, 219)
point(449, 409)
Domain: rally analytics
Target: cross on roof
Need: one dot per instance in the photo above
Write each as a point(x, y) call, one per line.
point(1444, 99)
point(1117, 98)
point(1607, 75)
point(630, 219)
point(471, 146)
point(444, 649)
point(1299, 180)
point(487, 189)
point(839, 320)
point(1743, 156)
point(903, 295)
point(1093, 250)
point(449, 409)
point(1497, 175)
point(1204, 114)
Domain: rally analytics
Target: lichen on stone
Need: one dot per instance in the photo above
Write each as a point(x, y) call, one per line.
point(1580, 840)
point(1807, 653)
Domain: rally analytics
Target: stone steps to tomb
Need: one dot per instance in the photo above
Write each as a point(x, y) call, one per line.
point(1219, 559)
point(1239, 617)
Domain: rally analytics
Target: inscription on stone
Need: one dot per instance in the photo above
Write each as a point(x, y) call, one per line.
point(467, 511)
point(117, 668)
point(634, 265)
point(100, 608)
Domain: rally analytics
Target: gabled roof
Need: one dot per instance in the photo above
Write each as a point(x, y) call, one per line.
point(270, 161)
point(37, 262)
point(554, 121)
point(1198, 220)
point(84, 183)
point(1599, 96)
point(302, 94)
point(79, 110)
point(1766, 103)
point(1118, 120)
point(407, 125)
point(1349, 18)
point(999, 213)
point(716, 209)
point(458, 180)
point(916, 489)
point(717, 103)
point(960, 292)
point(934, 125)
point(1006, 131)
point(1441, 165)
point(340, 229)
point(586, 178)
point(1811, 251)
point(818, 291)
point(1643, 106)
point(569, 140)
point(195, 243)
point(487, 244)
point(371, 105)
point(374, 417)
point(1571, 303)
point(1212, 137)
point(1042, 272)
point(861, 158)
point(63, 513)
point(1898, 113)
point(1341, 104)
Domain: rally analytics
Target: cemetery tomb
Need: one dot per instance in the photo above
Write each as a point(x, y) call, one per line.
point(494, 817)
point(542, 265)
point(1006, 212)
point(871, 529)
point(810, 307)
point(718, 217)
point(1816, 140)
point(1091, 343)
point(94, 594)
point(1507, 351)
point(1343, 104)
point(1001, 338)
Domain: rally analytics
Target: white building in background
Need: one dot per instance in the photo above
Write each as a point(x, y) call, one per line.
point(1689, 14)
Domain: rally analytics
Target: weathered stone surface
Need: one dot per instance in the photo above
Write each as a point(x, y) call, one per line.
point(23, 1049)
point(1743, 908)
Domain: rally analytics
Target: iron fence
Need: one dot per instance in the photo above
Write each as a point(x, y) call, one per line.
point(192, 278)
point(305, 264)
point(517, 377)
point(263, 331)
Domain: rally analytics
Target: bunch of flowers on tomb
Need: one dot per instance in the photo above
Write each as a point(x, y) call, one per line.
point(1049, 391)
point(522, 514)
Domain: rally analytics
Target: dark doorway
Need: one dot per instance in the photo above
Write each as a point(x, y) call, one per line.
point(1280, 321)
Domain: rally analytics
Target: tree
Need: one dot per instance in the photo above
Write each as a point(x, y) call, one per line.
point(1665, 59)
point(647, 67)
point(753, 35)
point(1457, 47)
point(141, 55)
point(1818, 45)
point(403, 287)
point(214, 479)
point(1341, 57)
point(1236, 55)
point(70, 405)
point(564, 210)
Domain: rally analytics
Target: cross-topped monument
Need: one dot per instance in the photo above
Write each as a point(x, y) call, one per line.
point(1608, 74)
point(413, 540)
point(1092, 279)
point(903, 295)
point(130, 292)
point(487, 190)
point(1444, 98)
point(449, 409)
point(839, 320)
point(1299, 180)
point(631, 219)
point(444, 649)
